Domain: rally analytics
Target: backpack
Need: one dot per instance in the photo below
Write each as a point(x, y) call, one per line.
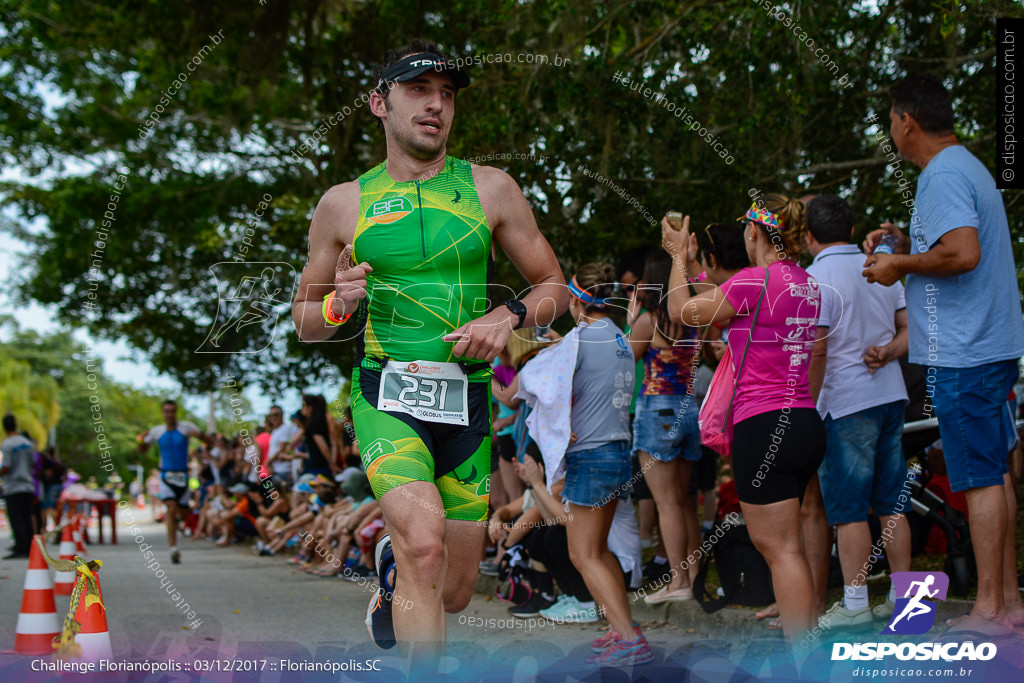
point(742, 570)
point(512, 571)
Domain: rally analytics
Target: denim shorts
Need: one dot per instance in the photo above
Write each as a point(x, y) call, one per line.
point(51, 493)
point(597, 476)
point(666, 427)
point(864, 468)
point(971, 406)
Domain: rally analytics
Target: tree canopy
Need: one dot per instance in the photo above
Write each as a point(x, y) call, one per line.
point(95, 418)
point(148, 134)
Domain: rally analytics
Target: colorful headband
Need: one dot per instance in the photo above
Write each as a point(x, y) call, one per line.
point(762, 215)
point(585, 297)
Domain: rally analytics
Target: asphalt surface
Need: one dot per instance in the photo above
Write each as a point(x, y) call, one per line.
point(261, 608)
point(260, 619)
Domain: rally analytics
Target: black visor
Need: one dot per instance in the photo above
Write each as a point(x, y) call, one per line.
point(412, 66)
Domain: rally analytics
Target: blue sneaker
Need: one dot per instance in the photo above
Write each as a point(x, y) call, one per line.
point(379, 619)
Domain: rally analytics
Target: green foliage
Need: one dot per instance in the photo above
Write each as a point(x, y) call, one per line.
point(77, 382)
point(226, 137)
point(32, 399)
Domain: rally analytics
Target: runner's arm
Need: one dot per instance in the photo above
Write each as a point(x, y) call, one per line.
point(333, 223)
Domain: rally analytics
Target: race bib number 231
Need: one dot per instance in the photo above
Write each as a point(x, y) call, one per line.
point(427, 390)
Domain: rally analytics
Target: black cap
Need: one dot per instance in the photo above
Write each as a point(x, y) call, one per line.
point(411, 66)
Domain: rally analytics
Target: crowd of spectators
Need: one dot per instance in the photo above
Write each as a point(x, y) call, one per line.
point(297, 484)
point(581, 487)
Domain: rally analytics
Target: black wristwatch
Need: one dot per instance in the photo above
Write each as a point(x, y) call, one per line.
point(519, 308)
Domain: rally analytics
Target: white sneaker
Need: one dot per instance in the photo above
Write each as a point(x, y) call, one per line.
point(568, 609)
point(884, 611)
point(840, 618)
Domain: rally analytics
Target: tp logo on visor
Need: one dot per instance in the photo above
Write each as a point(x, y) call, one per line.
point(915, 611)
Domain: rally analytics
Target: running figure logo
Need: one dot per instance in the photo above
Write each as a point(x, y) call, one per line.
point(250, 294)
point(915, 612)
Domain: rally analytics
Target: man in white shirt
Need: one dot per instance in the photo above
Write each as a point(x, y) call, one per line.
point(280, 436)
point(861, 397)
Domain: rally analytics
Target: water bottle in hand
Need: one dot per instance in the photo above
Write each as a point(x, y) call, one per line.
point(887, 244)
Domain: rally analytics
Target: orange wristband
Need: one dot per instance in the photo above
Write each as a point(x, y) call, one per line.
point(328, 310)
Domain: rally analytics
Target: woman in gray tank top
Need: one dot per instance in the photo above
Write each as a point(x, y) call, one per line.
point(598, 466)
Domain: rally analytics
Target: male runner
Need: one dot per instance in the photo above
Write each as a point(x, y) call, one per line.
point(172, 439)
point(421, 227)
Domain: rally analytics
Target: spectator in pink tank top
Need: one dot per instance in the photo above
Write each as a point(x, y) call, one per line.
point(779, 440)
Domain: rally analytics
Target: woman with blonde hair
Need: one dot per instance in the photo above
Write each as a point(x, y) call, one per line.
point(778, 438)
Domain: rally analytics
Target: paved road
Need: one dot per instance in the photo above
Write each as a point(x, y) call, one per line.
point(261, 608)
point(256, 608)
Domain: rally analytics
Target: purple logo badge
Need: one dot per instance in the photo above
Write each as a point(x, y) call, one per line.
point(915, 610)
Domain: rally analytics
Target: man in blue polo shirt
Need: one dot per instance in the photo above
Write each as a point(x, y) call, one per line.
point(172, 439)
point(965, 325)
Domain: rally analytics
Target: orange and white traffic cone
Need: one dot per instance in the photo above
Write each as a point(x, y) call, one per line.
point(76, 533)
point(37, 623)
point(93, 638)
point(63, 582)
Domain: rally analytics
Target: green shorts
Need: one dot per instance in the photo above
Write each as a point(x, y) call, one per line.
point(397, 448)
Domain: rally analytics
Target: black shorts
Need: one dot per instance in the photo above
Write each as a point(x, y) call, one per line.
point(705, 471)
point(775, 454)
point(171, 487)
point(641, 491)
point(506, 447)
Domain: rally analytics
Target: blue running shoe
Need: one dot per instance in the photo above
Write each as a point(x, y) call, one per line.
point(379, 620)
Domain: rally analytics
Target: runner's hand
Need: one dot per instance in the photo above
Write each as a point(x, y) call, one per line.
point(349, 281)
point(483, 338)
